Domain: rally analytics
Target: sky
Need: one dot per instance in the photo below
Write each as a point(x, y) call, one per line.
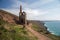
point(35, 9)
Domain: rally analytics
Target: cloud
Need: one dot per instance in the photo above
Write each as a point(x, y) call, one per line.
point(38, 10)
point(40, 3)
point(13, 11)
point(51, 17)
point(34, 13)
point(53, 14)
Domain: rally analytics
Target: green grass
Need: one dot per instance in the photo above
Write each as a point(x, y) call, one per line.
point(16, 32)
point(37, 28)
point(42, 31)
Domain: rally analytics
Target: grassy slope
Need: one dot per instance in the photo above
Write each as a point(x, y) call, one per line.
point(42, 31)
point(14, 32)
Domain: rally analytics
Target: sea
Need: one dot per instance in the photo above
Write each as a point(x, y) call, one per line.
point(53, 27)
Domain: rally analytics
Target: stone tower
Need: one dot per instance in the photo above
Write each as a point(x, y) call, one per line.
point(22, 16)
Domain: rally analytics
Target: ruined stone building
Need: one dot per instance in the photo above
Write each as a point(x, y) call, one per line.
point(22, 16)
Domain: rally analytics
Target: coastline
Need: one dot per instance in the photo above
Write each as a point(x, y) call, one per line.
point(40, 27)
point(51, 32)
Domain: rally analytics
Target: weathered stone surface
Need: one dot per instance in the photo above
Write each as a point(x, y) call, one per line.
point(22, 17)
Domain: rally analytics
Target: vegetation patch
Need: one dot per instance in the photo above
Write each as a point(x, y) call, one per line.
point(14, 32)
point(45, 32)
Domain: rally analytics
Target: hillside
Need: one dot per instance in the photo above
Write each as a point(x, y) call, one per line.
point(11, 18)
point(8, 16)
point(12, 25)
point(11, 30)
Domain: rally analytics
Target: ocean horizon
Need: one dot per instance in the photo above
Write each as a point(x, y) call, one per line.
point(53, 27)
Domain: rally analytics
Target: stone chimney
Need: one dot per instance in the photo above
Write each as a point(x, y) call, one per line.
point(22, 17)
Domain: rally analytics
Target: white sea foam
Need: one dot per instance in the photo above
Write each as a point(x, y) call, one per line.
point(45, 25)
point(53, 27)
point(50, 31)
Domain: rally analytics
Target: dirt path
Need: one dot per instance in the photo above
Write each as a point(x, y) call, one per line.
point(38, 35)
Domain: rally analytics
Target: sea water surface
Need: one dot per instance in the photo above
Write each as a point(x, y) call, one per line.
point(53, 27)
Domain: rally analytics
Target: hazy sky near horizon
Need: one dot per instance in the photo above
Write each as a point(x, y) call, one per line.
point(35, 9)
